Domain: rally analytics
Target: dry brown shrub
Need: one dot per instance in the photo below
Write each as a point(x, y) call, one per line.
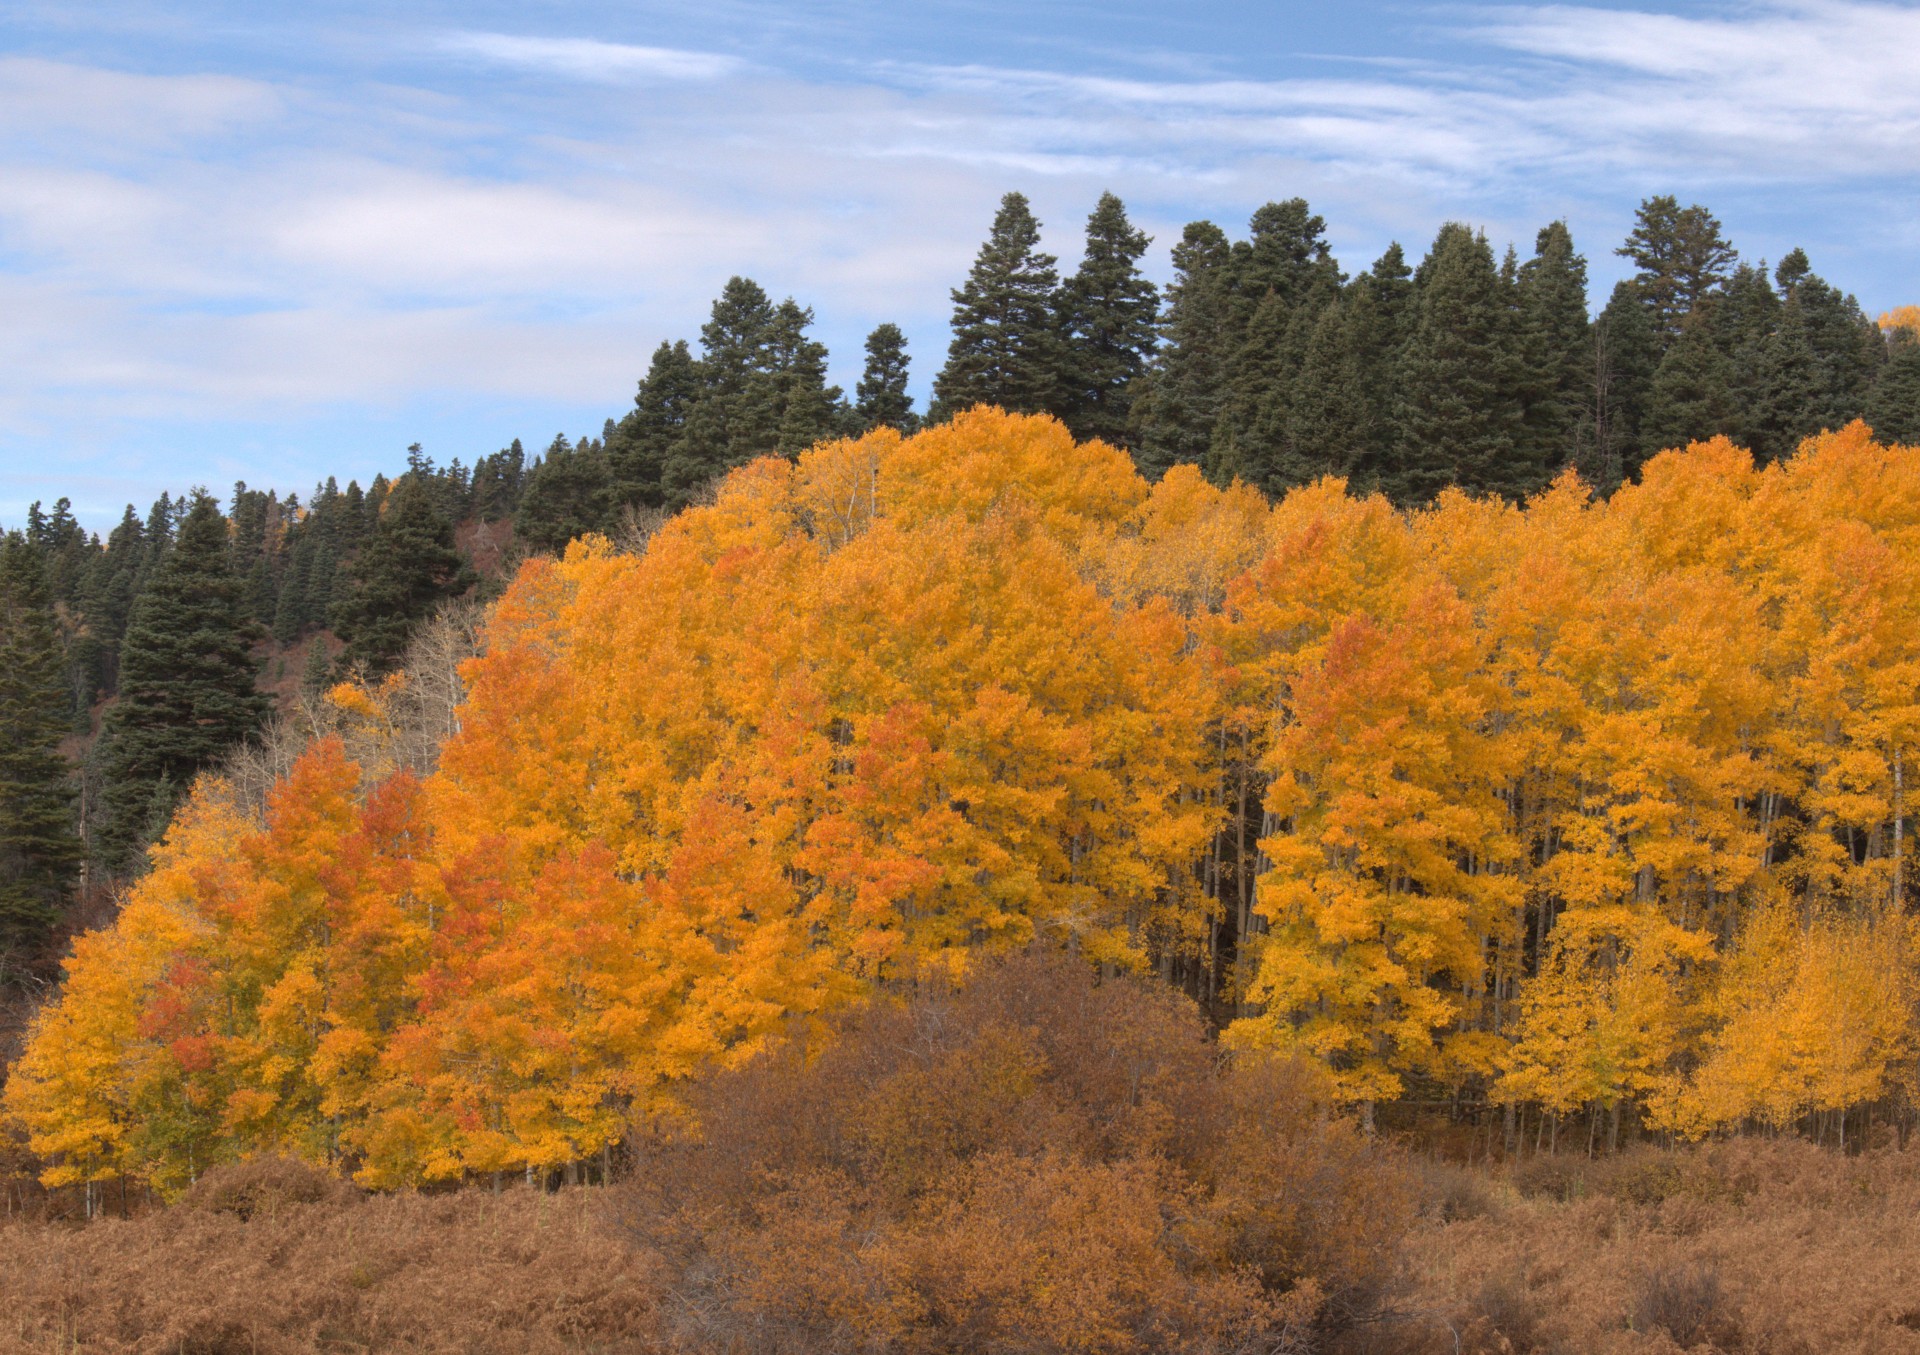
point(473, 1273)
point(1030, 1163)
point(1686, 1301)
point(265, 1185)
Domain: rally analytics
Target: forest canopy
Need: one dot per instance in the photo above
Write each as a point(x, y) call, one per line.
point(1578, 804)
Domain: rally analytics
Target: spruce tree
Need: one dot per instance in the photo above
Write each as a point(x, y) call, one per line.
point(1460, 398)
point(1380, 321)
point(637, 452)
point(1682, 257)
point(1332, 429)
point(407, 568)
point(1556, 351)
point(881, 397)
point(1179, 403)
point(733, 420)
point(1108, 312)
point(1690, 398)
point(803, 408)
point(187, 690)
point(1626, 354)
point(1893, 406)
point(39, 847)
point(569, 493)
point(1006, 349)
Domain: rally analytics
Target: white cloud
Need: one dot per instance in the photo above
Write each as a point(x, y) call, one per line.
point(203, 247)
point(587, 59)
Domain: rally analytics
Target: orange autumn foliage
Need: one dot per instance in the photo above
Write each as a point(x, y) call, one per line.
point(1577, 804)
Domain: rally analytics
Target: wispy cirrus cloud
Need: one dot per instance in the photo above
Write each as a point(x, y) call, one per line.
point(589, 59)
point(238, 248)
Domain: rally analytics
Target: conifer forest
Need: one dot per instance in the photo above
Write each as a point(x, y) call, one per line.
point(1308, 809)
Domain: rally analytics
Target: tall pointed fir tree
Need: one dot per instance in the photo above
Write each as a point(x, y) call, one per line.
point(1690, 398)
point(637, 452)
point(408, 567)
point(1626, 352)
point(1893, 405)
point(1107, 316)
point(730, 423)
point(802, 408)
point(1284, 277)
point(1556, 352)
point(1179, 403)
point(39, 846)
point(881, 399)
point(1006, 348)
point(569, 493)
point(1460, 407)
point(187, 691)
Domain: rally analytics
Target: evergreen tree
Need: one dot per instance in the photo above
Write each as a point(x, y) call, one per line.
point(1283, 278)
point(1006, 349)
point(1460, 406)
point(802, 408)
point(187, 690)
point(1793, 398)
point(407, 568)
point(1893, 406)
point(1626, 353)
point(39, 848)
point(1380, 321)
point(497, 482)
point(569, 493)
point(1746, 320)
point(1682, 257)
point(1107, 315)
point(1556, 351)
point(641, 442)
point(1690, 396)
point(881, 397)
point(733, 420)
point(1179, 403)
point(1333, 418)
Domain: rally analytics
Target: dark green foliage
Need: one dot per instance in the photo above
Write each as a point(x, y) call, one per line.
point(186, 682)
point(569, 493)
point(1175, 412)
point(803, 408)
point(1107, 315)
point(1555, 352)
point(406, 569)
point(1626, 353)
point(1682, 257)
point(1283, 277)
point(1460, 415)
point(497, 483)
point(638, 448)
point(881, 397)
point(1006, 348)
point(1690, 398)
point(39, 847)
point(1893, 407)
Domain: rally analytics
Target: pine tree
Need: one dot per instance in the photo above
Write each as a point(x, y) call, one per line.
point(733, 420)
point(803, 408)
point(1893, 406)
point(1380, 321)
point(1332, 429)
point(638, 450)
point(39, 848)
point(881, 397)
point(1682, 257)
point(1556, 351)
point(569, 493)
point(187, 690)
point(1689, 399)
point(1626, 353)
point(497, 482)
point(1460, 408)
point(1107, 313)
point(1006, 348)
point(1179, 403)
point(1283, 278)
point(405, 570)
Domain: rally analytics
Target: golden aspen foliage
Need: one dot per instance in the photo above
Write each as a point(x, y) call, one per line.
point(1582, 804)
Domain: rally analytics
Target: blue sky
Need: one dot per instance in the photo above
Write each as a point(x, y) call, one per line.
point(267, 242)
